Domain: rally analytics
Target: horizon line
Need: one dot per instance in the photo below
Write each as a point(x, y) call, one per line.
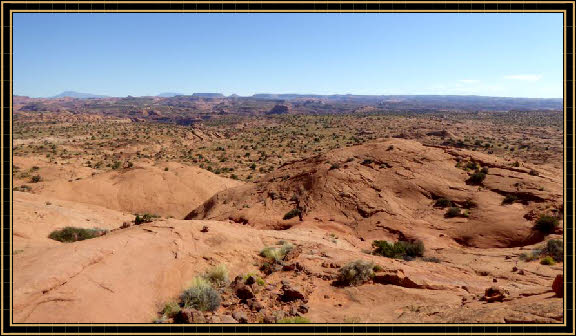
point(268, 93)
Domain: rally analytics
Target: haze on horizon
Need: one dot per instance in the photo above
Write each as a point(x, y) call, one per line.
point(120, 54)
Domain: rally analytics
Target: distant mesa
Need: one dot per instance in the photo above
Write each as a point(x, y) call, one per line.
point(208, 95)
point(74, 94)
point(279, 109)
point(169, 94)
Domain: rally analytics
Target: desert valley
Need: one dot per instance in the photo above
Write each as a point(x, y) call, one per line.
point(269, 208)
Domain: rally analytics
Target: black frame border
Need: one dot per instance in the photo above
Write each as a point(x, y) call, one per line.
point(290, 6)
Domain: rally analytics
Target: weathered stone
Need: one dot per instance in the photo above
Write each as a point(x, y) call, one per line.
point(240, 316)
point(494, 294)
point(292, 293)
point(250, 280)
point(558, 285)
point(244, 292)
point(227, 319)
point(189, 315)
point(293, 253)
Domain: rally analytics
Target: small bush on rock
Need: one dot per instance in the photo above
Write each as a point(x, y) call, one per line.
point(546, 224)
point(201, 296)
point(71, 234)
point(400, 249)
point(356, 272)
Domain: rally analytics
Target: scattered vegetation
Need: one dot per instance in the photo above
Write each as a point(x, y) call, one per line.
point(276, 254)
point(201, 296)
point(443, 203)
point(356, 273)
point(546, 224)
point(555, 249)
point(476, 178)
point(509, 199)
point(217, 275)
point(400, 249)
point(548, 260)
point(453, 212)
point(71, 234)
point(146, 218)
point(292, 213)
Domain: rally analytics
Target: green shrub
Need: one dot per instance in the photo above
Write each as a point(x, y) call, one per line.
point(296, 319)
point(400, 249)
point(35, 179)
point(170, 309)
point(276, 254)
point(217, 275)
point(530, 256)
point(292, 213)
point(335, 166)
point(509, 199)
point(452, 212)
point(443, 203)
point(472, 165)
point(548, 260)
point(259, 280)
point(469, 204)
point(476, 178)
point(356, 272)
point(555, 249)
point(146, 218)
point(71, 234)
point(201, 296)
point(546, 224)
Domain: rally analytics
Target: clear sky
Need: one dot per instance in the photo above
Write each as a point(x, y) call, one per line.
point(119, 54)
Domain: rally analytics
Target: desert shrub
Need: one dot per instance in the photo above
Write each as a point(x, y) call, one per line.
point(71, 234)
point(295, 319)
point(548, 260)
point(452, 212)
point(546, 224)
point(476, 178)
point(367, 162)
point(276, 254)
point(400, 249)
point(516, 164)
point(356, 272)
point(259, 280)
point(469, 204)
point(217, 275)
point(146, 218)
point(377, 268)
point(534, 172)
point(201, 296)
point(472, 165)
point(35, 179)
point(509, 199)
point(292, 213)
point(443, 203)
point(484, 170)
point(335, 166)
point(554, 249)
point(431, 259)
point(530, 256)
point(170, 309)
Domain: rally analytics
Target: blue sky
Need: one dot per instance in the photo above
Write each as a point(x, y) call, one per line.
point(496, 54)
